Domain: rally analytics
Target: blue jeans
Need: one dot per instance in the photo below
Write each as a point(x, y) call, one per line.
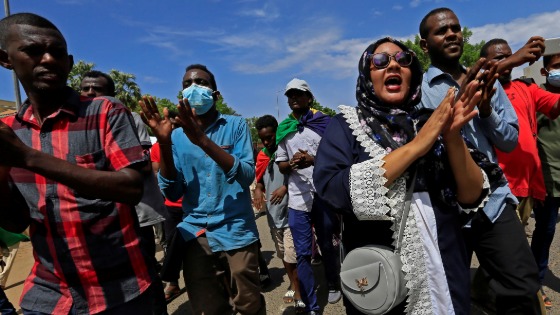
point(545, 225)
point(6, 308)
point(300, 226)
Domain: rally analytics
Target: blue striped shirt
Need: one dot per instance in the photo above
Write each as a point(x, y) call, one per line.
point(499, 130)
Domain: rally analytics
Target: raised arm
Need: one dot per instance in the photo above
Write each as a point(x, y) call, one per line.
point(162, 129)
point(530, 52)
point(400, 159)
point(467, 173)
point(501, 127)
point(191, 127)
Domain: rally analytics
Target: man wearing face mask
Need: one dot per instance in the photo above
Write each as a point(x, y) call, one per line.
point(209, 162)
point(546, 214)
point(525, 179)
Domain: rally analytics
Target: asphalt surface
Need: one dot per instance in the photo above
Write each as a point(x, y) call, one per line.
point(275, 292)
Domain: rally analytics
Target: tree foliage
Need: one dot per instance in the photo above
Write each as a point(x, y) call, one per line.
point(77, 73)
point(161, 103)
point(470, 51)
point(254, 132)
point(415, 47)
point(221, 105)
point(326, 110)
point(128, 91)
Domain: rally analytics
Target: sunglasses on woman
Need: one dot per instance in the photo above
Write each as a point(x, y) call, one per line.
point(381, 60)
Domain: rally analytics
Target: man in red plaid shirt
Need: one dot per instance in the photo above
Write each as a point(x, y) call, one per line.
point(69, 168)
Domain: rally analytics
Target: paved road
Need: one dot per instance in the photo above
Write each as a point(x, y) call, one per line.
point(274, 293)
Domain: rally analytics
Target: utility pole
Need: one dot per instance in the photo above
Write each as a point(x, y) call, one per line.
point(16, 84)
point(277, 106)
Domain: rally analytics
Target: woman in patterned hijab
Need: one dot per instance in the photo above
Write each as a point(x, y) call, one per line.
point(368, 157)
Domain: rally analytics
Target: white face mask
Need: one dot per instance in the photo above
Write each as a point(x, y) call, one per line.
point(553, 78)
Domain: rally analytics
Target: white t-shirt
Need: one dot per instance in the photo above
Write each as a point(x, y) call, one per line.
point(300, 181)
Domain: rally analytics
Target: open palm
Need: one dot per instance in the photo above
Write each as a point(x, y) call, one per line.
point(160, 126)
point(463, 109)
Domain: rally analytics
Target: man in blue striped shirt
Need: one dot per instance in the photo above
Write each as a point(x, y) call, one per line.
point(495, 234)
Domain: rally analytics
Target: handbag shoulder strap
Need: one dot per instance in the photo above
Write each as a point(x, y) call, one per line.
point(406, 209)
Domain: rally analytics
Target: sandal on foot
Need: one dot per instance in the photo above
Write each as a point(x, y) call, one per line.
point(289, 296)
point(546, 300)
point(171, 292)
point(299, 306)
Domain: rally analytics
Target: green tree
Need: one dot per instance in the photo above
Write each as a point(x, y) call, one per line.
point(470, 51)
point(77, 73)
point(326, 110)
point(221, 105)
point(161, 103)
point(415, 47)
point(128, 92)
point(254, 132)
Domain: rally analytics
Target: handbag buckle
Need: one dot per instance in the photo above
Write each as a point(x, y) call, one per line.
point(361, 283)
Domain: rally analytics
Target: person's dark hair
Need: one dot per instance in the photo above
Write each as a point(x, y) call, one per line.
point(547, 59)
point(490, 43)
point(205, 69)
point(23, 19)
point(365, 95)
point(423, 27)
point(265, 122)
point(172, 113)
point(98, 74)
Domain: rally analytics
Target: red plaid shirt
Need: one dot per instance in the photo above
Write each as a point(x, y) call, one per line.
point(87, 252)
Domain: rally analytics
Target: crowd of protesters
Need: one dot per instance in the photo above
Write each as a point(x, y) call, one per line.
point(474, 151)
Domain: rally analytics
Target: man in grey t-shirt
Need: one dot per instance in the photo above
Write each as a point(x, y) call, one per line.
point(272, 188)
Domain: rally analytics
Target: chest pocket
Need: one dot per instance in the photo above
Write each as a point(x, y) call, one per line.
point(96, 160)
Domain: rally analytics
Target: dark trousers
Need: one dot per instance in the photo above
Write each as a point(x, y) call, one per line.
point(174, 217)
point(546, 216)
point(327, 225)
point(209, 278)
point(148, 244)
point(351, 310)
point(6, 308)
point(503, 252)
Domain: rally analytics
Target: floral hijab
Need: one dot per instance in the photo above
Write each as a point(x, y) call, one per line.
point(393, 127)
point(390, 126)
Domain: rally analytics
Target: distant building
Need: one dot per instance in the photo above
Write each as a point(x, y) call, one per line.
point(7, 108)
point(534, 71)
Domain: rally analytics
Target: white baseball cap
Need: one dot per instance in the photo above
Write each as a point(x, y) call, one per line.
point(297, 84)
